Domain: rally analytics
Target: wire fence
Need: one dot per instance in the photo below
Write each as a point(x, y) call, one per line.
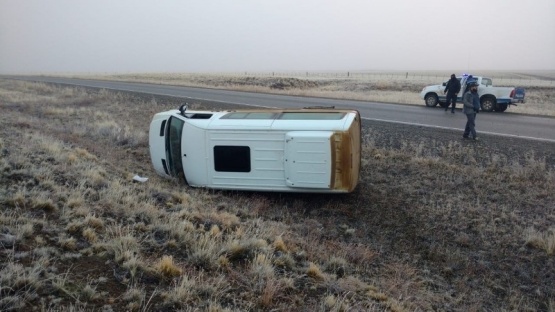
point(545, 79)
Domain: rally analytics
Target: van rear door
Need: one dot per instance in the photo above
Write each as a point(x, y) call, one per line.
point(308, 159)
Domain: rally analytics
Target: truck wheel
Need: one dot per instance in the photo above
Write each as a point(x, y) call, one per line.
point(488, 103)
point(501, 107)
point(431, 100)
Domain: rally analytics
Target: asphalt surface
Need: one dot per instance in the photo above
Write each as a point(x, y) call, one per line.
point(506, 125)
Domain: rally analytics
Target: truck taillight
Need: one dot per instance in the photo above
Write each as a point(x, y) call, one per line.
point(513, 93)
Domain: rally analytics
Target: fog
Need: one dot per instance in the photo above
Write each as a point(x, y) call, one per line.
point(107, 36)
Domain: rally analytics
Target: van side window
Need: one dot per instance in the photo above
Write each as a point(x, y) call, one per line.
point(232, 158)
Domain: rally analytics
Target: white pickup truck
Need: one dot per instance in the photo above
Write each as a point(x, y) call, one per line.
point(491, 98)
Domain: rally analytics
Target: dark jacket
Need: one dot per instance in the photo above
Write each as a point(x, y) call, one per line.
point(453, 86)
point(471, 103)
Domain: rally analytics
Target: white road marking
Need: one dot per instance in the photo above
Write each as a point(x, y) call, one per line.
point(460, 129)
point(366, 118)
point(398, 122)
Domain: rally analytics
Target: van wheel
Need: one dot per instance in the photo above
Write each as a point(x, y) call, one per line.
point(488, 103)
point(431, 100)
point(501, 107)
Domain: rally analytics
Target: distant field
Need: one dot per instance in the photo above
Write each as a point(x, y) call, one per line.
point(502, 78)
point(388, 87)
point(513, 78)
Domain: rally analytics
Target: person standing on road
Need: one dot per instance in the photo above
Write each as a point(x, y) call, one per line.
point(471, 106)
point(452, 89)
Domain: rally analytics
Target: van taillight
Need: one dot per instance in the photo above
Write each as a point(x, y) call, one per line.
point(513, 93)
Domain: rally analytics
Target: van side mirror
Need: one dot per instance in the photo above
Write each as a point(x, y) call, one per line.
point(182, 109)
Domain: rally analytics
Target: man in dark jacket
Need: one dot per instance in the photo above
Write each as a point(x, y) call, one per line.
point(452, 89)
point(471, 106)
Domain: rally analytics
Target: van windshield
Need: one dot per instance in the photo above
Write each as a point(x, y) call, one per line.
point(173, 146)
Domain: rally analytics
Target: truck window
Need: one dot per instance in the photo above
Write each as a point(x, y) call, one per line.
point(173, 146)
point(486, 82)
point(232, 158)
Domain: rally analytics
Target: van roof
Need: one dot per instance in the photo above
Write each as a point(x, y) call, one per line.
point(306, 119)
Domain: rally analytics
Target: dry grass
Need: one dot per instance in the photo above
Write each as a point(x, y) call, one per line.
point(433, 225)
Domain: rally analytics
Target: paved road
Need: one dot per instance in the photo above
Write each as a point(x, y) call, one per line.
point(504, 124)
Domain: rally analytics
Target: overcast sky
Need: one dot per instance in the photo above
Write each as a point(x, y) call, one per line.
point(109, 36)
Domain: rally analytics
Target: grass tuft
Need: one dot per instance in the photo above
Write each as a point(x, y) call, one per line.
point(167, 267)
point(314, 272)
point(90, 235)
point(541, 240)
point(43, 204)
point(279, 244)
point(94, 222)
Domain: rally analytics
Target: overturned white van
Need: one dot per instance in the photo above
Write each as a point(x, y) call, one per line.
point(283, 150)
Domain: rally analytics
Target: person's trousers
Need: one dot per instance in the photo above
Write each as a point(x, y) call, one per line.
point(451, 98)
point(470, 128)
